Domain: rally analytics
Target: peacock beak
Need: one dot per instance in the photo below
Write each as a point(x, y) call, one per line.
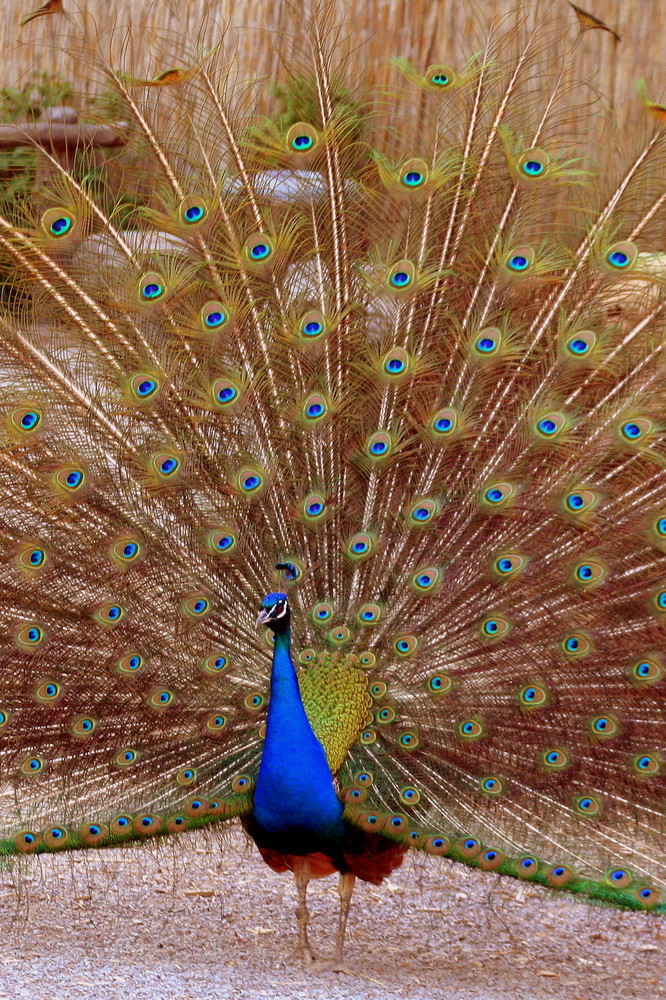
point(263, 616)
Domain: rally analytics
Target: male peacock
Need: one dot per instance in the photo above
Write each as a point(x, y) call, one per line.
point(410, 379)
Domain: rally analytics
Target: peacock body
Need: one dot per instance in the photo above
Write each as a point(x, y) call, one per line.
point(412, 383)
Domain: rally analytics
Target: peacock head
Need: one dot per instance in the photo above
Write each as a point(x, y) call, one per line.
point(275, 612)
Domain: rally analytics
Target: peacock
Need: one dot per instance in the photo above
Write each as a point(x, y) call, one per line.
point(333, 490)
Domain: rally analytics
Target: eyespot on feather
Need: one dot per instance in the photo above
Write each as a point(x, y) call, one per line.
point(444, 424)
point(360, 545)
point(130, 663)
point(620, 257)
point(533, 164)
point(439, 77)
point(93, 834)
point(32, 557)
point(152, 288)
point(126, 757)
point(519, 262)
point(311, 327)
point(26, 419)
point(196, 605)
point(221, 541)
point(192, 210)
point(29, 635)
point(58, 224)
point(494, 626)
point(302, 138)
point(213, 316)
point(109, 614)
point(84, 726)
point(27, 841)
point(258, 250)
point(401, 277)
point(646, 671)
point(490, 860)
point(405, 645)
point(439, 684)
point(126, 550)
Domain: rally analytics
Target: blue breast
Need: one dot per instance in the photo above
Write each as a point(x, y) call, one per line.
point(294, 793)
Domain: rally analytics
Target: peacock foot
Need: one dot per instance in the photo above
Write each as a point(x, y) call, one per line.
point(331, 965)
point(304, 953)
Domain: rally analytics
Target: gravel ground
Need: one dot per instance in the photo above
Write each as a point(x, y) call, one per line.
point(190, 922)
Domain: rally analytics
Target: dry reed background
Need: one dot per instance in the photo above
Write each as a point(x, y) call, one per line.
point(423, 31)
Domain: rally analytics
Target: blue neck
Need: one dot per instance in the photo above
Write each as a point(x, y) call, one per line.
point(294, 790)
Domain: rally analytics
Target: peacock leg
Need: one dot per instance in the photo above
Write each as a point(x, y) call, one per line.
point(302, 877)
point(337, 964)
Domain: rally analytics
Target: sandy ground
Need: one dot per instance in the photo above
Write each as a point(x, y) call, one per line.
point(190, 922)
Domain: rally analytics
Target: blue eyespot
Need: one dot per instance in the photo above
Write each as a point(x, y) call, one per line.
point(661, 526)
point(400, 279)
point(413, 178)
point(395, 366)
point(533, 168)
point(547, 426)
point(29, 420)
point(315, 508)
point(122, 821)
point(468, 727)
point(631, 430)
point(215, 318)
point(227, 394)
point(360, 547)
point(504, 565)
point(197, 608)
point(421, 513)
point(251, 482)
point(134, 662)
point(439, 79)
point(34, 634)
point(529, 694)
point(601, 725)
point(443, 424)
point(302, 142)
point(584, 572)
point(194, 214)
point(113, 613)
point(130, 550)
point(577, 346)
point(259, 251)
point(644, 763)
point(618, 875)
point(94, 830)
point(312, 328)
point(518, 262)
point(490, 784)
point(168, 466)
point(378, 447)
point(152, 290)
point(37, 557)
point(224, 542)
point(527, 863)
point(618, 258)
point(575, 501)
point(315, 410)
point(486, 345)
point(423, 580)
point(147, 387)
point(553, 757)
point(34, 764)
point(571, 644)
point(661, 600)
point(494, 495)
point(61, 226)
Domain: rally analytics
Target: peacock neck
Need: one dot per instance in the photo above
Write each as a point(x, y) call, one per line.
point(294, 790)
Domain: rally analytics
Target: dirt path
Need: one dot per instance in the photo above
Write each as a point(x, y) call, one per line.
point(191, 923)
